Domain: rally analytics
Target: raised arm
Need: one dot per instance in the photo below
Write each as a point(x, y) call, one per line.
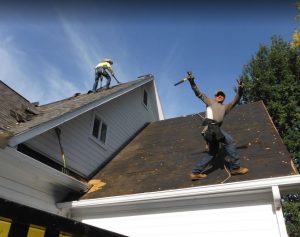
point(237, 97)
point(197, 92)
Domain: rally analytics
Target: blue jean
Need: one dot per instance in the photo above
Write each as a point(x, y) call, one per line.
point(234, 161)
point(99, 73)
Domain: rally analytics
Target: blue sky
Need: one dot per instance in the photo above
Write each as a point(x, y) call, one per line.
point(48, 49)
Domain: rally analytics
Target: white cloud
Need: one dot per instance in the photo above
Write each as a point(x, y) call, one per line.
point(35, 81)
point(88, 47)
point(13, 71)
point(166, 82)
point(57, 88)
point(84, 57)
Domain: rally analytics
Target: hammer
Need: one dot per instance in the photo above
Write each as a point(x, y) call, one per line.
point(189, 75)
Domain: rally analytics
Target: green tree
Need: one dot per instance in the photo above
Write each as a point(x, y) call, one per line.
point(291, 207)
point(273, 76)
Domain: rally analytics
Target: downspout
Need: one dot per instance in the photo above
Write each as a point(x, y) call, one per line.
point(278, 211)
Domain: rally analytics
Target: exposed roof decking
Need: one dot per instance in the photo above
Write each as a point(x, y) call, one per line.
point(162, 155)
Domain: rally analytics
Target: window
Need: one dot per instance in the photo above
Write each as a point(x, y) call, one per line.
point(36, 231)
point(99, 130)
point(4, 226)
point(145, 98)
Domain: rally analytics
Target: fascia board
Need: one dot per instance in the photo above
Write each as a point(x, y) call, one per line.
point(33, 167)
point(29, 182)
point(35, 131)
point(236, 188)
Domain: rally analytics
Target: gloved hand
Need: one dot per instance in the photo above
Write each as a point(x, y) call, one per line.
point(240, 86)
point(240, 83)
point(190, 77)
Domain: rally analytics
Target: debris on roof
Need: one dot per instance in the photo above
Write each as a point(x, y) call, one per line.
point(95, 184)
point(14, 107)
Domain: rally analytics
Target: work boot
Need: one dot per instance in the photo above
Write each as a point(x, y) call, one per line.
point(241, 170)
point(197, 176)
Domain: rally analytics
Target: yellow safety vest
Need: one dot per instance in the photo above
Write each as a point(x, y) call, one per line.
point(105, 65)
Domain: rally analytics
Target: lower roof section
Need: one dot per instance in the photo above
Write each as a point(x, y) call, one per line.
point(81, 208)
point(162, 156)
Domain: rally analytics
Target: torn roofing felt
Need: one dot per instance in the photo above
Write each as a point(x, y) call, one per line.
point(12, 101)
point(162, 156)
point(14, 108)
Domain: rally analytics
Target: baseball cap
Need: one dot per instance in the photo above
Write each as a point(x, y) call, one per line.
point(219, 92)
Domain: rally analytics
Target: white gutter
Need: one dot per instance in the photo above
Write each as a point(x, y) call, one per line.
point(35, 131)
point(287, 183)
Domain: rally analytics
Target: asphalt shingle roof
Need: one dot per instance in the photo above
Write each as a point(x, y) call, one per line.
point(10, 100)
point(162, 155)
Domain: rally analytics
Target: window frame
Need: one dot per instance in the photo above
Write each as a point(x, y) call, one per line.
point(98, 138)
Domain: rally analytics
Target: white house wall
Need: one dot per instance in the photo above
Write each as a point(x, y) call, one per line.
point(249, 214)
point(248, 208)
point(256, 220)
point(124, 116)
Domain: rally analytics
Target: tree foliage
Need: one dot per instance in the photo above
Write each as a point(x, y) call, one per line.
point(273, 76)
point(291, 207)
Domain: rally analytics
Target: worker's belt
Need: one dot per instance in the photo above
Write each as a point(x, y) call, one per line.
point(99, 69)
point(213, 132)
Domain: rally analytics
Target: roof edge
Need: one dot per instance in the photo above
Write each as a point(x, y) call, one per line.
point(17, 93)
point(286, 183)
point(21, 171)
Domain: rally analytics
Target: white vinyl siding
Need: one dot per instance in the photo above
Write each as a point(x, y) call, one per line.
point(124, 116)
point(27, 181)
point(247, 221)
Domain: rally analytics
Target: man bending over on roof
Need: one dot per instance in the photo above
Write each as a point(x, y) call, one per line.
point(213, 133)
point(101, 70)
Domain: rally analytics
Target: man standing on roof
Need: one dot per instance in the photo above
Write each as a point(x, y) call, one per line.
point(213, 133)
point(101, 70)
